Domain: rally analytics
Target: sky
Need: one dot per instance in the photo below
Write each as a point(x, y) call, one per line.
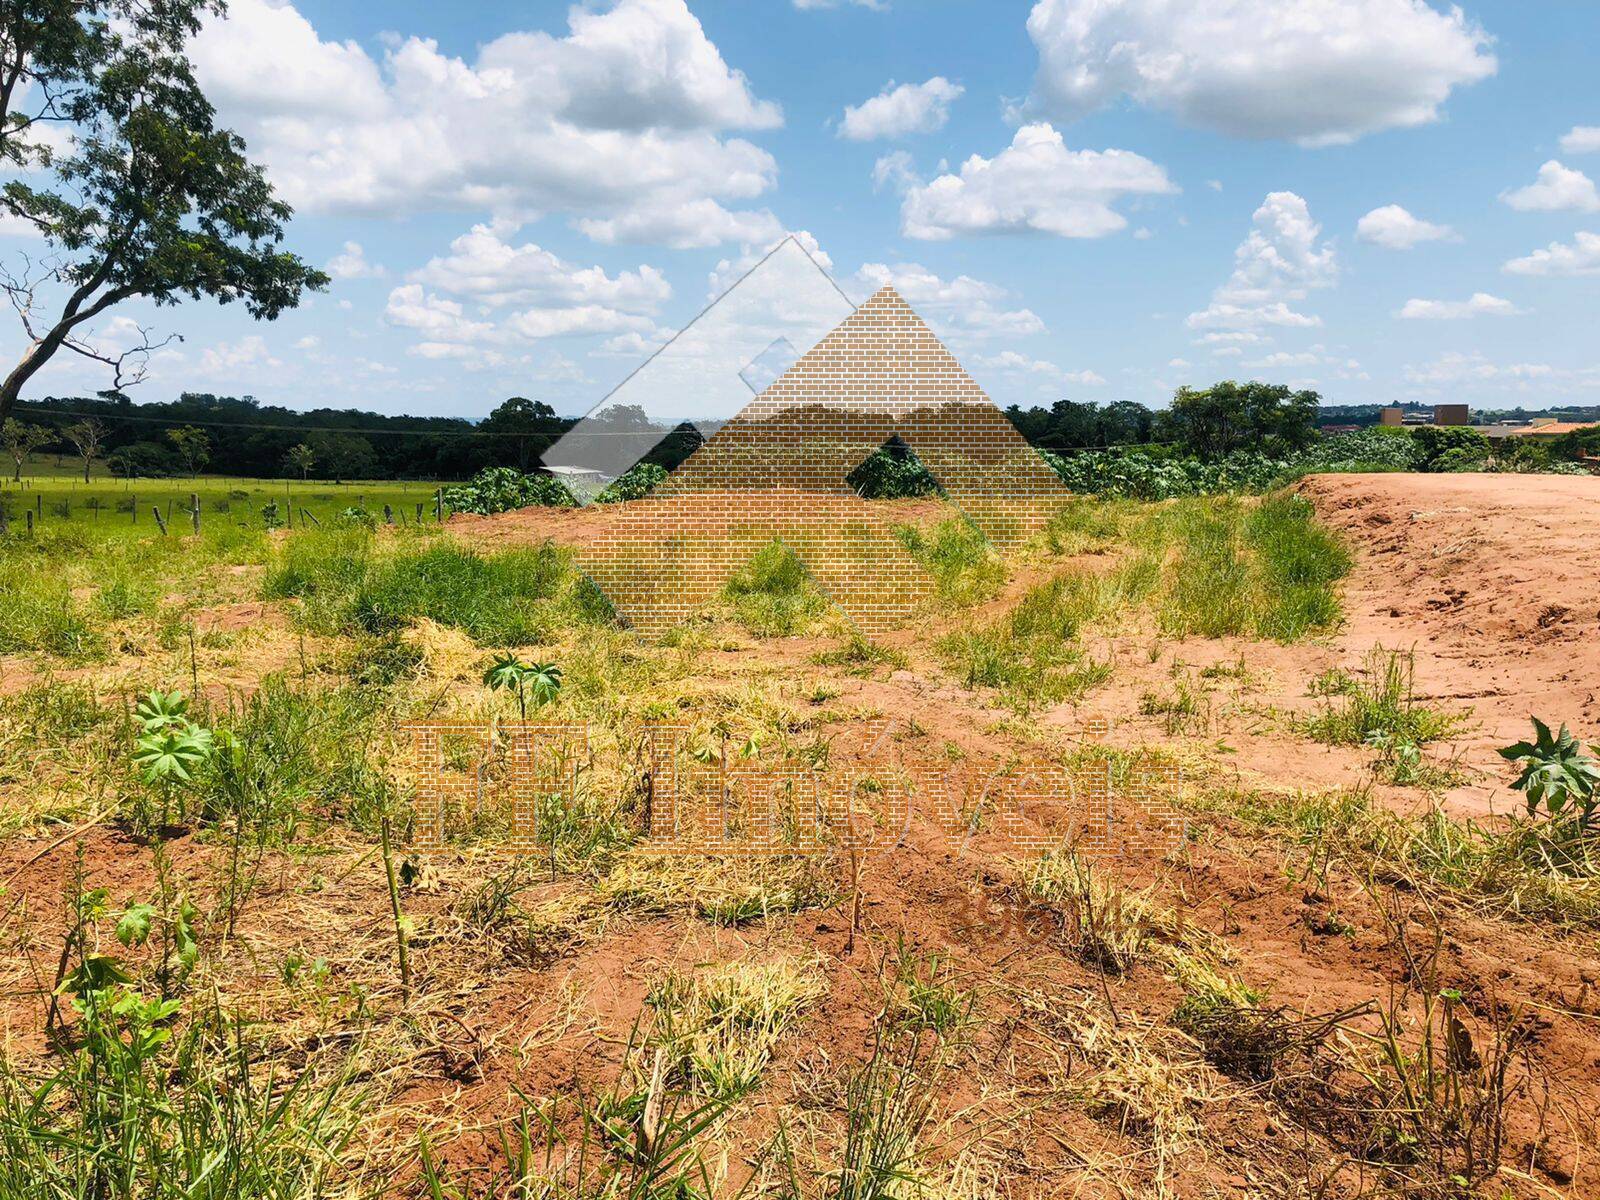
point(1383, 200)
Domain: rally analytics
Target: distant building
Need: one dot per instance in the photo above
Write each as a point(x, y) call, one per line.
point(1451, 414)
point(1501, 429)
point(1394, 415)
point(1548, 427)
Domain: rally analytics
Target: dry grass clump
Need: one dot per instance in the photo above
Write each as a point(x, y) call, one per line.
point(1234, 1026)
point(1108, 925)
point(724, 890)
point(1148, 1081)
point(720, 1025)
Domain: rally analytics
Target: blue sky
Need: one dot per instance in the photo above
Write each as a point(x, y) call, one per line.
point(1381, 199)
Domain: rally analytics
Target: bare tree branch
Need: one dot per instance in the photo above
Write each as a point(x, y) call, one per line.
point(128, 369)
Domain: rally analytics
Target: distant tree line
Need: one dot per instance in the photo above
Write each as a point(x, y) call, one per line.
point(231, 435)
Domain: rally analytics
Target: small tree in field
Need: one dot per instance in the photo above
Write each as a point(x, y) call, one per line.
point(20, 440)
point(193, 446)
point(301, 458)
point(88, 436)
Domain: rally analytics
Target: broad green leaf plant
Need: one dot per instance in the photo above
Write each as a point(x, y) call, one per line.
point(1557, 776)
point(169, 747)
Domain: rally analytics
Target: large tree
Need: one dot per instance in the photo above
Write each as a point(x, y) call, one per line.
point(532, 424)
point(152, 201)
point(1232, 416)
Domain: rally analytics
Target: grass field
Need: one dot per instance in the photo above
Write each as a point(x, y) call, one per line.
point(226, 970)
point(126, 506)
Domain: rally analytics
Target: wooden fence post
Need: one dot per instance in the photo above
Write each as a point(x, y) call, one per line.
point(30, 523)
point(194, 511)
point(388, 515)
point(156, 508)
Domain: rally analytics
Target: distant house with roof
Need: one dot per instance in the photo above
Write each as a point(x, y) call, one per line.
point(1549, 427)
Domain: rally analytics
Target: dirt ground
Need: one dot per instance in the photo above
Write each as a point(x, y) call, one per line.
point(1491, 579)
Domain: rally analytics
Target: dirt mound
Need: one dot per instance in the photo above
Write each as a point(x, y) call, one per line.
point(1495, 579)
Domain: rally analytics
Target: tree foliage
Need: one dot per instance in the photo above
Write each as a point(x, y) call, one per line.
point(1228, 416)
point(20, 439)
point(153, 201)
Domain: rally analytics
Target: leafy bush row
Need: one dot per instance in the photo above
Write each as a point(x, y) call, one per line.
point(1131, 472)
point(500, 489)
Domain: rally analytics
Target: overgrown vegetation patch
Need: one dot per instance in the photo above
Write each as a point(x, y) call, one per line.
point(348, 583)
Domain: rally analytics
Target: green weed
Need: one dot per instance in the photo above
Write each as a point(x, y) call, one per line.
point(773, 596)
point(1379, 699)
point(964, 566)
point(348, 584)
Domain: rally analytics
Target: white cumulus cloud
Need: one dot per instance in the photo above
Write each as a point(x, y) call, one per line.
point(436, 318)
point(484, 265)
point(247, 353)
point(1582, 139)
point(547, 296)
point(1044, 372)
point(684, 224)
point(352, 263)
point(1558, 188)
point(1034, 185)
point(898, 111)
point(1281, 260)
point(1582, 257)
point(1479, 304)
point(1455, 368)
point(1394, 228)
point(1317, 71)
point(962, 307)
point(623, 119)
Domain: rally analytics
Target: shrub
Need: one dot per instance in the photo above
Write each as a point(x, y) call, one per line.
point(1434, 442)
point(1460, 458)
point(891, 475)
point(1380, 448)
point(500, 489)
point(1557, 776)
point(633, 484)
point(1145, 473)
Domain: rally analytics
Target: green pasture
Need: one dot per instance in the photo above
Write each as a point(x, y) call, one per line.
point(129, 506)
